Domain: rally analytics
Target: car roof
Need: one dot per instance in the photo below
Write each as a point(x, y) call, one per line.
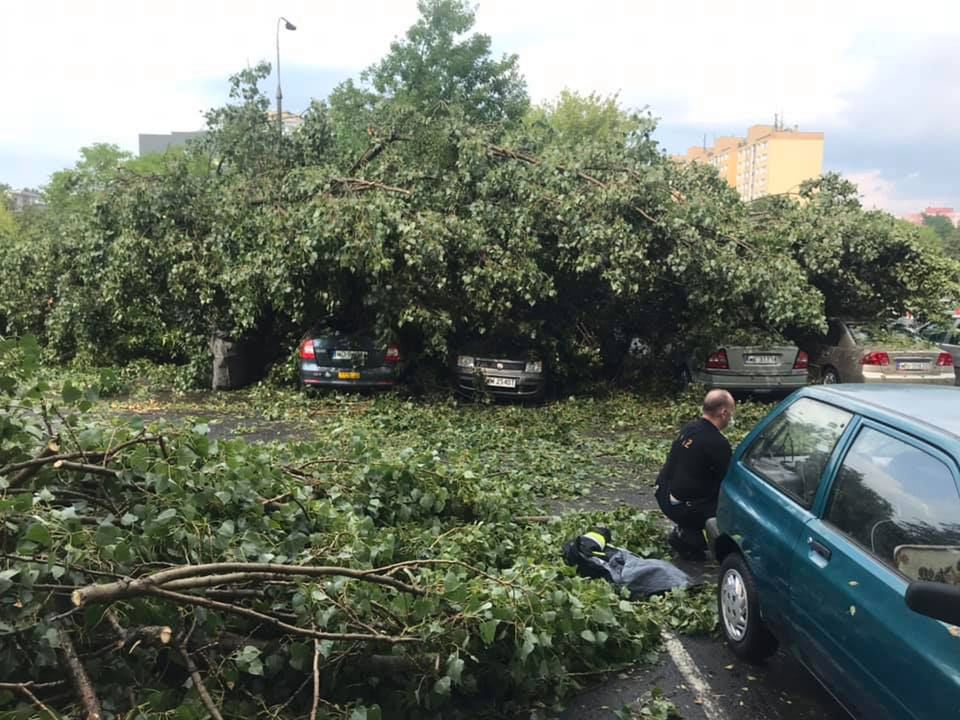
point(933, 409)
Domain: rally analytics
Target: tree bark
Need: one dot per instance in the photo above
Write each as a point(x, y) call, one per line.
point(79, 678)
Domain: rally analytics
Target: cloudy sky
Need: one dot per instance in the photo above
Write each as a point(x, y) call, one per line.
point(881, 78)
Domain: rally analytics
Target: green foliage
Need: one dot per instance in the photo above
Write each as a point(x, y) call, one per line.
point(436, 63)
point(947, 234)
point(501, 625)
point(8, 225)
point(865, 263)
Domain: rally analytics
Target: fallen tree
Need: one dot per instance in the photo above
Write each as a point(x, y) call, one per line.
point(156, 569)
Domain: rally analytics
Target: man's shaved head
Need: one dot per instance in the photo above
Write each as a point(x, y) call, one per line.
point(716, 402)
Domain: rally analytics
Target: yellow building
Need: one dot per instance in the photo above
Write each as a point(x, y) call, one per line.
point(771, 160)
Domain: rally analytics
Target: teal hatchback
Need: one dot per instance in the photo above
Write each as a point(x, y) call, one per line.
point(838, 533)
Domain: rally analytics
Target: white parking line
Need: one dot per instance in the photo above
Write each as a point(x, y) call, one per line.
point(691, 673)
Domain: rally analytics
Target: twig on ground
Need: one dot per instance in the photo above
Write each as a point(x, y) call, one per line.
point(201, 601)
point(316, 679)
point(79, 677)
point(198, 682)
point(24, 689)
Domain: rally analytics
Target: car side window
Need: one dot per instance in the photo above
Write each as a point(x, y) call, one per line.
point(900, 503)
point(792, 451)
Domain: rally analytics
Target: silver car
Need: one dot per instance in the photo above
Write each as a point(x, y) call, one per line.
point(780, 368)
point(946, 334)
point(874, 352)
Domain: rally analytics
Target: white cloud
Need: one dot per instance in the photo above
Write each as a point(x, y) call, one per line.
point(106, 70)
point(879, 192)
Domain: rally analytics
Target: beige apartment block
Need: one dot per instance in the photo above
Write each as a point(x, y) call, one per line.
point(771, 160)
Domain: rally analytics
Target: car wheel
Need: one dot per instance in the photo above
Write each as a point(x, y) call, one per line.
point(830, 376)
point(739, 609)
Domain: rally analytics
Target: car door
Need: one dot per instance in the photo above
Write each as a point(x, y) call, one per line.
point(768, 496)
point(891, 503)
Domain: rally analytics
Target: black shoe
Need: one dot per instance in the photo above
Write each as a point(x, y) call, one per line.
point(684, 550)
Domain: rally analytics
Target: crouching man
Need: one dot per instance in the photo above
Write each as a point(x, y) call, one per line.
point(689, 482)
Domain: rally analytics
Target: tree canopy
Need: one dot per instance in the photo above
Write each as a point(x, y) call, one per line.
point(431, 197)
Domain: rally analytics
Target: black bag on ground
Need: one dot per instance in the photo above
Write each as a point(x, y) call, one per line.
point(594, 557)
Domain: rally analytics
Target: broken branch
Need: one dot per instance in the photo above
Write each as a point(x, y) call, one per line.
point(198, 683)
point(201, 601)
point(233, 572)
point(79, 677)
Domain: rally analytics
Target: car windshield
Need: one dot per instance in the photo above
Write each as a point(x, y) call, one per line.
point(506, 347)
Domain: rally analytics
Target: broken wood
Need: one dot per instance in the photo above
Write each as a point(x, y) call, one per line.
point(207, 575)
point(198, 683)
point(79, 677)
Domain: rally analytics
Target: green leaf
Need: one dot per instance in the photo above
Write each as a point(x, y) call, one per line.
point(166, 515)
point(455, 669)
point(70, 394)
point(6, 578)
point(38, 533)
point(106, 535)
point(588, 636)
point(488, 631)
point(442, 686)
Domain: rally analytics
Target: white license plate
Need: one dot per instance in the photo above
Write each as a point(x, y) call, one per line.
point(761, 360)
point(349, 355)
point(503, 382)
point(912, 366)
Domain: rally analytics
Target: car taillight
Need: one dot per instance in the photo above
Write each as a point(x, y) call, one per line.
point(802, 362)
point(393, 354)
point(945, 360)
point(875, 358)
point(306, 350)
point(718, 361)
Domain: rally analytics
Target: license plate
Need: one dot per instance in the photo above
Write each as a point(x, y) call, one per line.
point(761, 360)
point(349, 355)
point(348, 375)
point(911, 366)
point(503, 382)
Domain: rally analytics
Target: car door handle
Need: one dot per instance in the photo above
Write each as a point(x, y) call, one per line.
point(819, 548)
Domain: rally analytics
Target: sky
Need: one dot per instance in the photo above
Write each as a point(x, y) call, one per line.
point(879, 78)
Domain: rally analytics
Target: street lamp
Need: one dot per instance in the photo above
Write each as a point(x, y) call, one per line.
point(289, 26)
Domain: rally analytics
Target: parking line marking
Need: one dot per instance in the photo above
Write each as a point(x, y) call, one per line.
point(695, 679)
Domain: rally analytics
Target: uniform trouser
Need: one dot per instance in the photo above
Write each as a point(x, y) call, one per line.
point(690, 516)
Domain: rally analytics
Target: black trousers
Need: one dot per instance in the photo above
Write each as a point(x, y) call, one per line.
point(690, 516)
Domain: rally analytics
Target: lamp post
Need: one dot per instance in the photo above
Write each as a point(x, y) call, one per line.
point(289, 26)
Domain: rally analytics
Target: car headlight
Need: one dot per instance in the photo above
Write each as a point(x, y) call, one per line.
point(535, 366)
point(464, 361)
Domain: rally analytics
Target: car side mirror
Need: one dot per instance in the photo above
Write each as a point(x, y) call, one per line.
point(936, 600)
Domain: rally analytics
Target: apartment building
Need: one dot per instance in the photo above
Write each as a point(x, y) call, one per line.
point(770, 160)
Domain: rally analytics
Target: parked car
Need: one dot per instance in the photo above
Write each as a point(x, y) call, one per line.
point(505, 369)
point(335, 358)
point(946, 334)
point(838, 534)
point(868, 352)
point(770, 367)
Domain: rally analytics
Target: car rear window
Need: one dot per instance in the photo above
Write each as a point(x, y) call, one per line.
point(792, 451)
point(896, 336)
point(901, 504)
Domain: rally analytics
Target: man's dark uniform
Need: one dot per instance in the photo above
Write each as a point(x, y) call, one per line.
point(689, 482)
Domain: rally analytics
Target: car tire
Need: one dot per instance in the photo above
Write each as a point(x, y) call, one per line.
point(830, 376)
point(739, 609)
